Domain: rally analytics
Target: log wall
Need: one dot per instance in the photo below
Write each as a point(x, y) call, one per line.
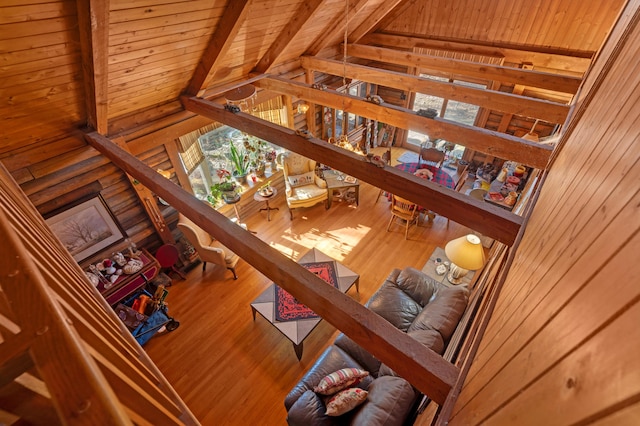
point(562, 341)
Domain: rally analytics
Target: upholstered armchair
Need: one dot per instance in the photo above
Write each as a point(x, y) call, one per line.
point(208, 248)
point(303, 187)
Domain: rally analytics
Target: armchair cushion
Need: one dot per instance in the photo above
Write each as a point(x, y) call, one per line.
point(302, 179)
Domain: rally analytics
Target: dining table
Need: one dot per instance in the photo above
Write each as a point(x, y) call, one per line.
point(439, 176)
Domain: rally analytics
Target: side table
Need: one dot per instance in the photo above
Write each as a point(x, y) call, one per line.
point(266, 199)
point(337, 180)
point(430, 269)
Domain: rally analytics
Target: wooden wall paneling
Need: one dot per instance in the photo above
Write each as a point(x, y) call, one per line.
point(306, 11)
point(554, 320)
point(618, 144)
point(25, 156)
point(583, 233)
point(578, 191)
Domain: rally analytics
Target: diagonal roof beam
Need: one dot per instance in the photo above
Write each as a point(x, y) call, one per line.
point(543, 80)
point(483, 217)
point(305, 13)
point(221, 40)
point(336, 26)
point(424, 368)
point(374, 18)
point(93, 23)
point(489, 142)
point(553, 112)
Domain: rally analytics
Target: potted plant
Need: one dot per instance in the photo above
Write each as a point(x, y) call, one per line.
point(240, 161)
point(225, 188)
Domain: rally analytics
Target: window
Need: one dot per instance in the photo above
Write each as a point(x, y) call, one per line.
point(457, 111)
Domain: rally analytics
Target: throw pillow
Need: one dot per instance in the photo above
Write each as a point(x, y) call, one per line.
point(345, 401)
point(339, 380)
point(299, 180)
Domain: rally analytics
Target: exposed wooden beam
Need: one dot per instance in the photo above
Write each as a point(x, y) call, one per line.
point(425, 369)
point(230, 24)
point(93, 25)
point(305, 13)
point(576, 61)
point(371, 21)
point(336, 26)
point(489, 142)
point(552, 112)
point(544, 80)
point(480, 216)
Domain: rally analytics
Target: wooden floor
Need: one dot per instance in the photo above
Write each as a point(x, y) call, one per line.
point(232, 370)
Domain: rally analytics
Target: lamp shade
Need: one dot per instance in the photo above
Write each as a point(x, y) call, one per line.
point(466, 252)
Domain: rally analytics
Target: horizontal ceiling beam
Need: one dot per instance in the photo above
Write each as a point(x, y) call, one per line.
point(530, 78)
point(552, 112)
point(425, 369)
point(576, 61)
point(486, 141)
point(480, 216)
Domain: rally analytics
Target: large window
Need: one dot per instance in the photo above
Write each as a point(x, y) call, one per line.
point(459, 112)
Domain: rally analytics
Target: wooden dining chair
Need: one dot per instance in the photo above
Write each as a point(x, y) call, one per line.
point(405, 210)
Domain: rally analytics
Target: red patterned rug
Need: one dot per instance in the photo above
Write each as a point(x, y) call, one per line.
point(288, 308)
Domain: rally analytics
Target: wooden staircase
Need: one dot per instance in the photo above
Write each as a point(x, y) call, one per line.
point(65, 357)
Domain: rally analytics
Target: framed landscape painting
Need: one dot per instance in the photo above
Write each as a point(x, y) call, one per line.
point(86, 228)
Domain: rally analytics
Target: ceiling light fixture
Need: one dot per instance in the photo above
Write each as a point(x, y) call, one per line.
point(242, 97)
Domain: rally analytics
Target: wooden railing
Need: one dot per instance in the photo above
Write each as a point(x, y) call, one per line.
point(65, 357)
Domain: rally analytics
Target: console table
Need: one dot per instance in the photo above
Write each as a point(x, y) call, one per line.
point(430, 269)
point(127, 284)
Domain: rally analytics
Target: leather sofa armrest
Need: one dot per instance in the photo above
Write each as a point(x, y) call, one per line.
point(331, 360)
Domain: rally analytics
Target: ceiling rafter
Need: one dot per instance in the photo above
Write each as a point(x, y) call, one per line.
point(483, 217)
point(304, 14)
point(544, 80)
point(425, 369)
point(336, 26)
point(575, 60)
point(553, 112)
point(371, 21)
point(487, 141)
point(230, 24)
point(93, 25)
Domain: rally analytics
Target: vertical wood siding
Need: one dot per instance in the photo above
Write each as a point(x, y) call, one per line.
point(562, 342)
point(562, 24)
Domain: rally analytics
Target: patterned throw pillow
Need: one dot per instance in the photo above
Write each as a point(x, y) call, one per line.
point(299, 180)
point(339, 380)
point(345, 401)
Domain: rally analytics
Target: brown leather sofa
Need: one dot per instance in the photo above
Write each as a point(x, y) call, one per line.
point(414, 303)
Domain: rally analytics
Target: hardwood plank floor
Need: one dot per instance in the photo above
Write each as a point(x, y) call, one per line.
point(232, 370)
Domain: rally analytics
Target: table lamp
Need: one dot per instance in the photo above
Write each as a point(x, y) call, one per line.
point(466, 254)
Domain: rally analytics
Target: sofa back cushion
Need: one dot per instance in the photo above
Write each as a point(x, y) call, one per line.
point(444, 311)
point(419, 286)
point(394, 305)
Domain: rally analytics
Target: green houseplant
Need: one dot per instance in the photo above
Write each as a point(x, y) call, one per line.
point(240, 161)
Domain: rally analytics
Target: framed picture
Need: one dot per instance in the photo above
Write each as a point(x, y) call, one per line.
point(86, 228)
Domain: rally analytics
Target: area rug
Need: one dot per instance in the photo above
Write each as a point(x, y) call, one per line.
point(408, 157)
point(288, 308)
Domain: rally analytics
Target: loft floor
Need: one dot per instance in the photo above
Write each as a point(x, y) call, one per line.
point(232, 370)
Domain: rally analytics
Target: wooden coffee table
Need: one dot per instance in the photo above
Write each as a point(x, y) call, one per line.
point(340, 181)
point(297, 330)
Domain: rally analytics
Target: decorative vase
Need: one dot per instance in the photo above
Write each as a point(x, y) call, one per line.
point(274, 166)
point(260, 169)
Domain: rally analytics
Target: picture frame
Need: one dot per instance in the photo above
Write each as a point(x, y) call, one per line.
point(86, 227)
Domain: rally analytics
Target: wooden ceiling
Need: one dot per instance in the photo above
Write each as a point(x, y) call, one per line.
point(65, 64)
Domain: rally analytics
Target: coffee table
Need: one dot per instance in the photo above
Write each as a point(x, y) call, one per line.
point(297, 330)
